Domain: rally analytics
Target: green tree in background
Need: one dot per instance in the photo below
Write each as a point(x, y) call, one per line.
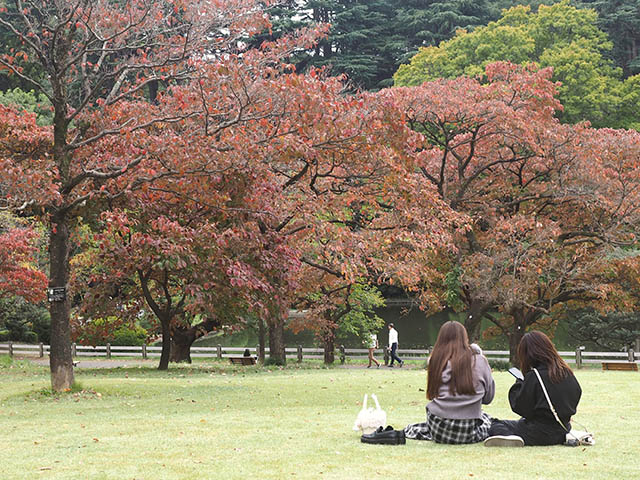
point(31, 102)
point(559, 36)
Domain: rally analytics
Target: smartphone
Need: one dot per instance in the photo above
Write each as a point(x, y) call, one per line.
point(516, 373)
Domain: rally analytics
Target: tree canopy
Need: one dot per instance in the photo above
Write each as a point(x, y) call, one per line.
point(559, 36)
point(547, 201)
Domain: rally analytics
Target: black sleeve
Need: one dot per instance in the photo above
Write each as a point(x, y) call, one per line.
point(523, 395)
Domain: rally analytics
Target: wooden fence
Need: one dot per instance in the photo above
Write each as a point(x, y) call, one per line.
point(579, 357)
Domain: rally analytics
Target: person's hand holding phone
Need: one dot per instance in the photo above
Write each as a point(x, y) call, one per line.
point(516, 373)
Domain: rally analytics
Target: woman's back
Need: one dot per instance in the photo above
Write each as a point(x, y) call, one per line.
point(448, 404)
point(528, 400)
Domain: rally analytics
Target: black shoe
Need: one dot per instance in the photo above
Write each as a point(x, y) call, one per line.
point(386, 436)
point(401, 364)
point(390, 366)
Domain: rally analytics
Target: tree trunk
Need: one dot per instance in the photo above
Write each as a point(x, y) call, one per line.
point(153, 91)
point(181, 342)
point(329, 338)
point(183, 337)
point(516, 334)
point(60, 359)
point(329, 349)
point(261, 340)
point(166, 343)
point(277, 354)
point(473, 322)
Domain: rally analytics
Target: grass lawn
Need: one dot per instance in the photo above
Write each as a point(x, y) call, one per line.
point(214, 421)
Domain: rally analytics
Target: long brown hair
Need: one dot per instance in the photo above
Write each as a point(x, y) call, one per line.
point(537, 350)
point(452, 346)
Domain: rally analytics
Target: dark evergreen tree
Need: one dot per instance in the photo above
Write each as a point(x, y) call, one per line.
point(10, 44)
point(621, 20)
point(428, 22)
point(369, 39)
point(614, 331)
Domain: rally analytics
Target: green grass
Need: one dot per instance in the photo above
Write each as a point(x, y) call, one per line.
point(212, 420)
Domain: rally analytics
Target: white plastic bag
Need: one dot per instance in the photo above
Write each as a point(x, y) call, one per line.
point(369, 419)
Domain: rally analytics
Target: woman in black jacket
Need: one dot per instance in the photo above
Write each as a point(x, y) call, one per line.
point(538, 425)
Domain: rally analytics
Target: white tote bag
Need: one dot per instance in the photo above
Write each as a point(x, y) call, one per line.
point(369, 419)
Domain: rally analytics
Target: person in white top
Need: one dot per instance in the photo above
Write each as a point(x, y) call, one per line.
point(372, 344)
point(393, 346)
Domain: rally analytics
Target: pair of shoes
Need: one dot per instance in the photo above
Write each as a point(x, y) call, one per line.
point(385, 436)
point(504, 441)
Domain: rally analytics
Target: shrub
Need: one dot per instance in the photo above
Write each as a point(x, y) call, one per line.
point(99, 331)
point(22, 321)
point(500, 365)
point(126, 335)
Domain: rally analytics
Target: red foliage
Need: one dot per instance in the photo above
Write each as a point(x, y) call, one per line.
point(549, 203)
point(18, 272)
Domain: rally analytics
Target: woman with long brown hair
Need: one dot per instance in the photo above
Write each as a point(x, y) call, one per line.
point(538, 425)
point(459, 381)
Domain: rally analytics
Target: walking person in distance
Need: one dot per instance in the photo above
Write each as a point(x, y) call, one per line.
point(372, 343)
point(393, 346)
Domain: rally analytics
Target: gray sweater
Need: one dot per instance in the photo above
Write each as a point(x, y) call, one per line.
point(446, 405)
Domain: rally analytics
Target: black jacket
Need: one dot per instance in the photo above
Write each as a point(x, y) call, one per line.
point(527, 398)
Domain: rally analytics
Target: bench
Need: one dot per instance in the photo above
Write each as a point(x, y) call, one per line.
point(243, 360)
point(624, 366)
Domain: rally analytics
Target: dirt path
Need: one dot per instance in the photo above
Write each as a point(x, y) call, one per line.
point(120, 363)
point(153, 363)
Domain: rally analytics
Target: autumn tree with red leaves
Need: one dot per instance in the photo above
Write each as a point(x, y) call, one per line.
point(349, 201)
point(188, 253)
point(102, 60)
point(19, 273)
point(547, 201)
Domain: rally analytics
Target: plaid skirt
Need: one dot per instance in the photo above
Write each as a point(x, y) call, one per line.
point(450, 430)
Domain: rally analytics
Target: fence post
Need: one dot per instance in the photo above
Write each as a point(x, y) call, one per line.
point(74, 349)
point(299, 353)
point(41, 349)
point(11, 349)
point(637, 349)
point(632, 357)
point(579, 357)
point(144, 351)
point(342, 354)
point(108, 350)
point(219, 352)
point(386, 356)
